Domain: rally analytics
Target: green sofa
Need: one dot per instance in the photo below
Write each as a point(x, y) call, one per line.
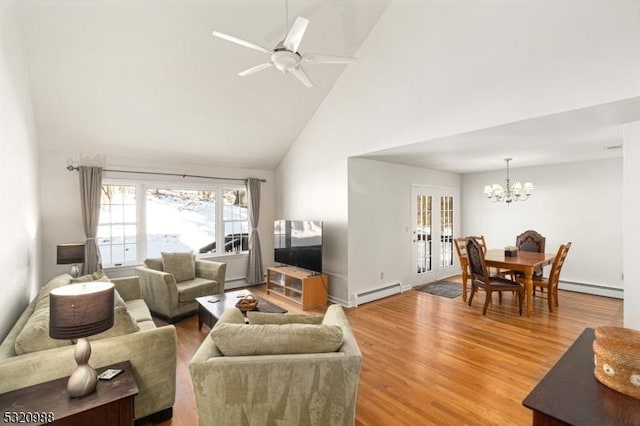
point(308, 383)
point(28, 356)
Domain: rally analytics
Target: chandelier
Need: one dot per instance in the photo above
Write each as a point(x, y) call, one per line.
point(512, 192)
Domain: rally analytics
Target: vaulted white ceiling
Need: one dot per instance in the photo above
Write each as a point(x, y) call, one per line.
point(145, 78)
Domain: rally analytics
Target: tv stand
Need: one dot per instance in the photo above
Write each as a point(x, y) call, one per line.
point(298, 286)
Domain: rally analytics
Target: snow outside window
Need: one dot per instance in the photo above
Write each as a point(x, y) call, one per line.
point(140, 220)
point(180, 220)
point(117, 229)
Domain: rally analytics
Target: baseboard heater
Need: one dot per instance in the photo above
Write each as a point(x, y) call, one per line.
point(376, 293)
point(595, 289)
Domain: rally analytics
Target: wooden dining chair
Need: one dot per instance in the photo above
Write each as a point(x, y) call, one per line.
point(483, 245)
point(480, 277)
point(551, 282)
point(461, 249)
point(530, 241)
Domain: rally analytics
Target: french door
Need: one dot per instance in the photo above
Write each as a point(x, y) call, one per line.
point(434, 215)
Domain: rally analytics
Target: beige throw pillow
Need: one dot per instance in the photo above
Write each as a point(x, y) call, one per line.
point(96, 276)
point(117, 299)
point(275, 339)
point(230, 315)
point(34, 336)
point(154, 263)
point(181, 265)
point(123, 323)
point(269, 318)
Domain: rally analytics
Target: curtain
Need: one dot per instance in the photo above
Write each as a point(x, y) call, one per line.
point(90, 192)
point(254, 269)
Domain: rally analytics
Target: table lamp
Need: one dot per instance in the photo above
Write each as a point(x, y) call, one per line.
point(77, 311)
point(71, 253)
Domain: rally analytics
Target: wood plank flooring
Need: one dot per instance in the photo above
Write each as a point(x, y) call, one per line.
point(430, 360)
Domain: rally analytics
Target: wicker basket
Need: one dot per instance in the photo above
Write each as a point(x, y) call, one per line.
point(248, 303)
point(617, 359)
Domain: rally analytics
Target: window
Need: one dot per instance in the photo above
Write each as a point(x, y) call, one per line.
point(140, 220)
point(117, 229)
point(236, 224)
point(180, 220)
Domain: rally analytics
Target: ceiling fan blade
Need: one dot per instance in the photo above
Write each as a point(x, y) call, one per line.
point(255, 69)
point(239, 41)
point(328, 59)
point(302, 76)
point(292, 42)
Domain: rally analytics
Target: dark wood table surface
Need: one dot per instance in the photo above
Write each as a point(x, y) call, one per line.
point(570, 394)
point(524, 261)
point(211, 307)
point(111, 404)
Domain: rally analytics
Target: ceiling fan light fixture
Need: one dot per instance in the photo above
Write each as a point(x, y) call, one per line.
point(285, 60)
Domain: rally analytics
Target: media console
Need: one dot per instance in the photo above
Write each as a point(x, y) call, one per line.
point(298, 286)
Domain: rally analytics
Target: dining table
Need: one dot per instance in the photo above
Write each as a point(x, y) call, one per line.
point(523, 261)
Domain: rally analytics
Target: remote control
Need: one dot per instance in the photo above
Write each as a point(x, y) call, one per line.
point(109, 374)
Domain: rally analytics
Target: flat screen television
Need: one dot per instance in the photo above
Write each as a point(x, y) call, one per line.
point(298, 243)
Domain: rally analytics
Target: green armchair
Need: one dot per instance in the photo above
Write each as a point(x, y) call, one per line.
point(171, 284)
point(295, 387)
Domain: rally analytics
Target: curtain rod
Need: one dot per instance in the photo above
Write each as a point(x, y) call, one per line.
point(72, 168)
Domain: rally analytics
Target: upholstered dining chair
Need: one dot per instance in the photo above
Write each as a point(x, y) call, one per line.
point(530, 241)
point(462, 250)
point(551, 282)
point(480, 277)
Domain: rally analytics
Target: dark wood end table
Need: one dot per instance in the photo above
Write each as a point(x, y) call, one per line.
point(111, 404)
point(211, 307)
point(570, 394)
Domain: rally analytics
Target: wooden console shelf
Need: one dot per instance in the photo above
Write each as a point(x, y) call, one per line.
point(298, 286)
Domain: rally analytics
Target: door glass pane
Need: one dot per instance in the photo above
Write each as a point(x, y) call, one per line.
point(423, 233)
point(446, 232)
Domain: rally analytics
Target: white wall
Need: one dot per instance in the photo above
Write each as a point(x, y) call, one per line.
point(631, 227)
point(380, 222)
point(62, 217)
point(431, 69)
point(19, 218)
point(577, 202)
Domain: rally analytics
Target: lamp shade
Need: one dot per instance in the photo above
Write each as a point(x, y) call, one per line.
point(70, 253)
point(80, 310)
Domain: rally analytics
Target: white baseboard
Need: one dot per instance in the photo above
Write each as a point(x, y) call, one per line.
point(597, 290)
point(237, 283)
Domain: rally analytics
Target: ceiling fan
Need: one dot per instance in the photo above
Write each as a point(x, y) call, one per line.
point(285, 56)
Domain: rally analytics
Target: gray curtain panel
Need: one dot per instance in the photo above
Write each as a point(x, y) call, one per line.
point(254, 269)
point(90, 192)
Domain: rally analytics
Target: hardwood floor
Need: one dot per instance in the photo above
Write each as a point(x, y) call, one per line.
point(432, 360)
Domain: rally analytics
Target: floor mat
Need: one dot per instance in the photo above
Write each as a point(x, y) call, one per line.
point(447, 289)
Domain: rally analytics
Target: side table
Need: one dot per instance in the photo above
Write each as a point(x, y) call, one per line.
point(570, 394)
point(111, 404)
